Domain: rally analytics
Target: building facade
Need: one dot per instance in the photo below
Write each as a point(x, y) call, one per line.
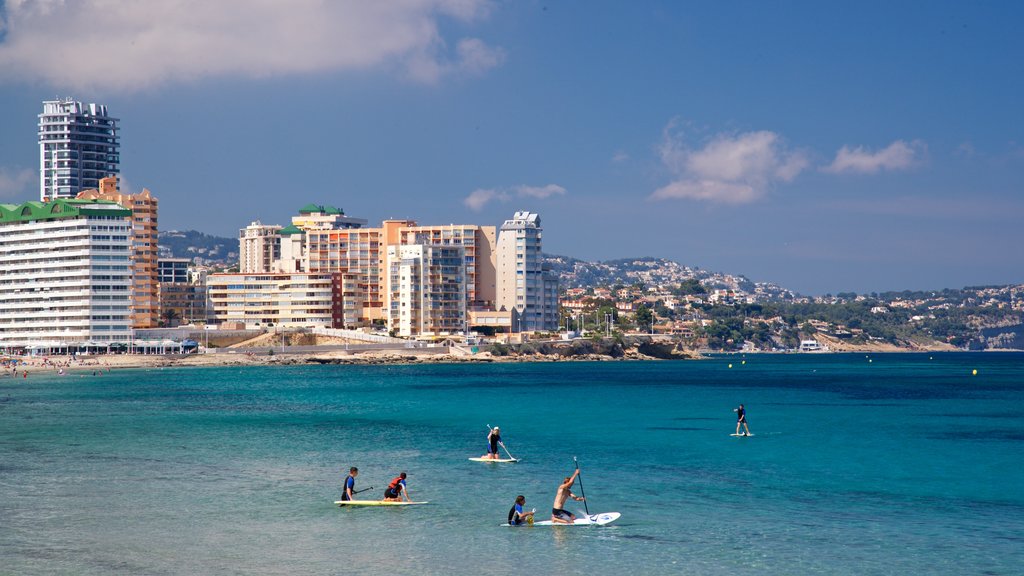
point(274, 299)
point(65, 273)
point(145, 245)
point(259, 247)
point(78, 145)
point(523, 283)
point(428, 290)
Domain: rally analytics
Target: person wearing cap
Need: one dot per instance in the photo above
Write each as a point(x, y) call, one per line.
point(493, 439)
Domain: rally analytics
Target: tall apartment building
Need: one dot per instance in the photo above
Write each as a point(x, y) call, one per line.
point(65, 273)
point(478, 243)
point(284, 300)
point(428, 290)
point(78, 145)
point(523, 283)
point(259, 247)
point(145, 289)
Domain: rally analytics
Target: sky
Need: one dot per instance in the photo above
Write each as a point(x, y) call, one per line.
point(823, 146)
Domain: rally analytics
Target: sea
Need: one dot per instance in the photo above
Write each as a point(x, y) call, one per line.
point(858, 464)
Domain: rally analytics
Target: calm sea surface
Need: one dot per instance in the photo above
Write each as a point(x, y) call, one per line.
point(893, 464)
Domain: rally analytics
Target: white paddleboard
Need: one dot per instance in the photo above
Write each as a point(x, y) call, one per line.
point(581, 520)
point(375, 503)
point(494, 460)
point(740, 435)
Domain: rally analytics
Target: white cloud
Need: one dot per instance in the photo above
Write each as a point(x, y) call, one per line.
point(128, 45)
point(620, 157)
point(729, 168)
point(540, 191)
point(14, 183)
point(480, 197)
point(899, 155)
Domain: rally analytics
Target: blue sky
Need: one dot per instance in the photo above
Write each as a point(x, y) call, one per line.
point(826, 147)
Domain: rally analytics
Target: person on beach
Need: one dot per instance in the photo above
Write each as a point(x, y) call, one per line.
point(741, 420)
point(395, 490)
point(516, 516)
point(350, 484)
point(493, 439)
point(558, 514)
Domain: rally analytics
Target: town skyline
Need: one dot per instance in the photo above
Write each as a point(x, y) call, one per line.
point(822, 149)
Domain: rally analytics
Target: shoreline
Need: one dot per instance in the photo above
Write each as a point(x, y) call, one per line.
point(101, 364)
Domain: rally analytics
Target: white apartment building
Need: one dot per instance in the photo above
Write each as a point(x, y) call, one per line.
point(428, 290)
point(283, 300)
point(522, 281)
point(65, 273)
point(78, 145)
point(259, 248)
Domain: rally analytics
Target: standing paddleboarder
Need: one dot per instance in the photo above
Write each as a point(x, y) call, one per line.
point(558, 514)
point(493, 439)
point(741, 420)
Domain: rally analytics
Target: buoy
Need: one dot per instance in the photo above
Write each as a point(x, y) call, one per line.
point(870, 360)
point(744, 362)
point(974, 372)
point(730, 365)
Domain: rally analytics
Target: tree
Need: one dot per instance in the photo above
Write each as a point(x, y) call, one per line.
point(170, 315)
point(691, 286)
point(644, 318)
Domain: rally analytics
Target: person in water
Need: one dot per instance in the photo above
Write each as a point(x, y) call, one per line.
point(516, 516)
point(558, 514)
point(493, 439)
point(350, 484)
point(741, 420)
point(395, 490)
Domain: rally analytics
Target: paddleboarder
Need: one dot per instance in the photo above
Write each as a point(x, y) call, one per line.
point(741, 420)
point(558, 514)
point(397, 488)
point(493, 439)
point(516, 516)
point(350, 484)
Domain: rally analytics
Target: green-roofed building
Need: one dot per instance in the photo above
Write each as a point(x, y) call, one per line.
point(65, 274)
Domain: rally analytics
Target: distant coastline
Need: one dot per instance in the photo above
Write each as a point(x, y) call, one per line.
point(101, 364)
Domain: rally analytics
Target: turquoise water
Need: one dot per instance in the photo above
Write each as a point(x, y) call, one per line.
point(905, 464)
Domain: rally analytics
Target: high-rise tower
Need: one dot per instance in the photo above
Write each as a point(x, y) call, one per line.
point(524, 283)
point(78, 145)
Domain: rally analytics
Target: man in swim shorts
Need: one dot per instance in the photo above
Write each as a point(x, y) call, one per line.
point(558, 514)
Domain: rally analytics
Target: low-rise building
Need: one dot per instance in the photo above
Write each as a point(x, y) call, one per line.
point(275, 299)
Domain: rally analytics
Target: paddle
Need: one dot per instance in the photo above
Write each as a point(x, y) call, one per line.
point(502, 444)
point(354, 492)
point(582, 493)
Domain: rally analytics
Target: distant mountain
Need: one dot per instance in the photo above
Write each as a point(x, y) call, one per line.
point(199, 247)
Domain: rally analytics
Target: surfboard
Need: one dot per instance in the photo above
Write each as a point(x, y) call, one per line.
point(740, 435)
point(375, 503)
point(581, 520)
point(494, 460)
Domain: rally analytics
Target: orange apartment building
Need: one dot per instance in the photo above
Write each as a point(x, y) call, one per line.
point(360, 256)
point(145, 305)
